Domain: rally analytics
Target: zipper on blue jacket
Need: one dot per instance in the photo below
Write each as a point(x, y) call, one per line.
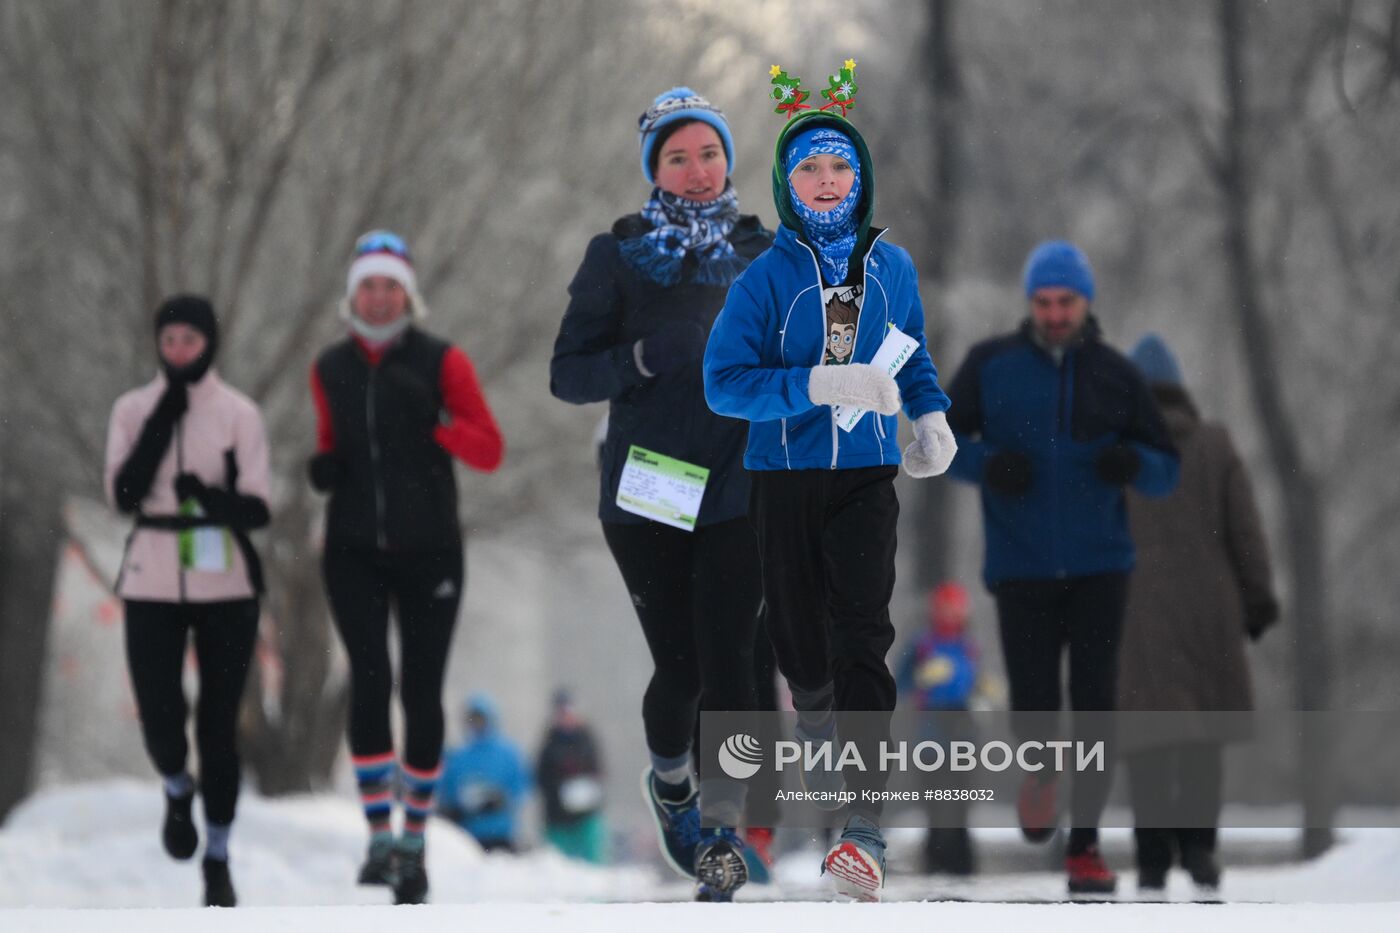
point(1057, 436)
point(865, 276)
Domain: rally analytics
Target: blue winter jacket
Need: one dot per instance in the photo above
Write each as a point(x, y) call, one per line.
point(1010, 394)
point(483, 784)
point(611, 307)
point(772, 331)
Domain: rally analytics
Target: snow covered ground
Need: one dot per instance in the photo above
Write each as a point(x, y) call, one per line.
point(87, 857)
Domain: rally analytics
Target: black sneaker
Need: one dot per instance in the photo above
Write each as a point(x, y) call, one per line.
point(378, 867)
point(411, 885)
point(720, 869)
point(218, 886)
point(178, 834)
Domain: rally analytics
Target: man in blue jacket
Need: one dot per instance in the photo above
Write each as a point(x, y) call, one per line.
point(1053, 424)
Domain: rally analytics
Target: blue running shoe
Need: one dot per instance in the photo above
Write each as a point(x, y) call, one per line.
point(677, 825)
point(856, 864)
point(720, 867)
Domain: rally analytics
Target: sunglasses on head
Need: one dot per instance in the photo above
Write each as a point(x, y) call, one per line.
point(381, 241)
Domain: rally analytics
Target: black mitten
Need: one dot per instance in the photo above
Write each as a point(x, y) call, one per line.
point(1007, 472)
point(226, 507)
point(1118, 464)
point(324, 470)
point(1260, 616)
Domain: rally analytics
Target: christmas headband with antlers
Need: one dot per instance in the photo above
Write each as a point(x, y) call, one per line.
point(841, 91)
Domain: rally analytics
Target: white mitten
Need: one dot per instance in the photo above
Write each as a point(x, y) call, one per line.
point(933, 447)
point(857, 384)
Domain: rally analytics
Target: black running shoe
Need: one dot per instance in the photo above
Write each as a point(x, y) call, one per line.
point(720, 869)
point(378, 867)
point(218, 886)
point(178, 834)
point(411, 886)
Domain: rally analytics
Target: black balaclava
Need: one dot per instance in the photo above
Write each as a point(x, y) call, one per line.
point(198, 313)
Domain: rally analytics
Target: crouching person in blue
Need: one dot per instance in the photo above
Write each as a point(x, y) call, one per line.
point(485, 780)
point(794, 339)
point(1053, 424)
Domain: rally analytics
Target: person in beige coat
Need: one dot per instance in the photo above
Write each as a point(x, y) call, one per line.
point(1201, 587)
point(187, 459)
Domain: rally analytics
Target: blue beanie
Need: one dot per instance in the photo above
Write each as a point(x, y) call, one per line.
point(1058, 264)
point(678, 105)
point(818, 140)
point(1155, 361)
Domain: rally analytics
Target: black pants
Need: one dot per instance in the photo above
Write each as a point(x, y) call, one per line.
point(1039, 619)
point(426, 590)
point(697, 594)
point(827, 538)
point(1184, 779)
point(157, 638)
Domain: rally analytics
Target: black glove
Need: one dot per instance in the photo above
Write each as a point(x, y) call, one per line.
point(174, 401)
point(673, 347)
point(1118, 464)
point(325, 470)
point(133, 481)
point(1007, 472)
point(189, 486)
point(226, 507)
point(1259, 616)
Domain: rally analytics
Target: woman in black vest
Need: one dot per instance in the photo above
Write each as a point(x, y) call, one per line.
point(640, 311)
point(394, 405)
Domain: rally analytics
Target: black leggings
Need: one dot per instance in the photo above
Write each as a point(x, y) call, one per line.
point(157, 638)
point(697, 594)
point(426, 589)
point(1039, 619)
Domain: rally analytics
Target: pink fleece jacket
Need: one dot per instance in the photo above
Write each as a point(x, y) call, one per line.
point(219, 418)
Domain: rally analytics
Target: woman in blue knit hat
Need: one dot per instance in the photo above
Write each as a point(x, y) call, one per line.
point(641, 307)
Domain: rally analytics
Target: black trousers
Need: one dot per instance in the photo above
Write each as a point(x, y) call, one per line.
point(697, 595)
point(1186, 779)
point(1039, 620)
point(157, 639)
point(425, 588)
point(827, 538)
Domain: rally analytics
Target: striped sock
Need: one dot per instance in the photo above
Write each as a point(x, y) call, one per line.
point(375, 776)
point(419, 787)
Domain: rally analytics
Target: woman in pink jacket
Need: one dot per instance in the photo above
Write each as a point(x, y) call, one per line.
point(187, 458)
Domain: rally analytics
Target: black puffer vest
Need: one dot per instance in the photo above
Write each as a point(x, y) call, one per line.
point(397, 491)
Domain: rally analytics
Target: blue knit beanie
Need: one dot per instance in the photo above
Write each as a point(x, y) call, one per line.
point(680, 104)
point(1155, 361)
point(1059, 264)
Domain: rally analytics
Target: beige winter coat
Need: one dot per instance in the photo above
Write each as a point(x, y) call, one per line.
point(219, 418)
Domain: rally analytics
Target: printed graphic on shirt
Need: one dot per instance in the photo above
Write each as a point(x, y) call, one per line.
point(843, 305)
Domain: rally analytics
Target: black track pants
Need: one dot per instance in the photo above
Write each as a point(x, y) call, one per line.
point(425, 588)
point(697, 594)
point(157, 639)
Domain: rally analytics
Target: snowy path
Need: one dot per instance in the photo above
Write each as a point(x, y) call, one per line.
point(87, 858)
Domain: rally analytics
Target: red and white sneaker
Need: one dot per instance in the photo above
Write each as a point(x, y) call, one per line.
point(856, 864)
point(1088, 874)
point(1035, 808)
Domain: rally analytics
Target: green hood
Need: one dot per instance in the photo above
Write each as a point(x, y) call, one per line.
point(786, 215)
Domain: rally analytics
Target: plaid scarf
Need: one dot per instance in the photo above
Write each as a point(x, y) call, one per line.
point(681, 227)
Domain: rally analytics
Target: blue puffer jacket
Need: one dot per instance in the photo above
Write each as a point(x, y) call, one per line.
point(771, 333)
point(485, 781)
point(1010, 394)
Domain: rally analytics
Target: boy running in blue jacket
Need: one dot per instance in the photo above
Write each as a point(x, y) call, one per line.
point(795, 339)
